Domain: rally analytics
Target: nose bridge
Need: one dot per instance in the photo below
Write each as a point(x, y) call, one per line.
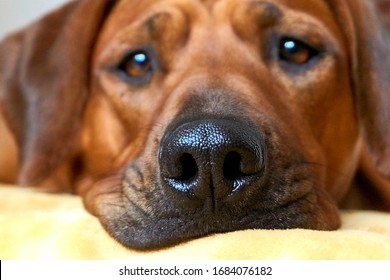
point(206, 48)
point(210, 30)
point(215, 49)
point(216, 66)
point(217, 52)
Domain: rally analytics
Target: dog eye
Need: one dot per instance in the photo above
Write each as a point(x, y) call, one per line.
point(136, 67)
point(295, 51)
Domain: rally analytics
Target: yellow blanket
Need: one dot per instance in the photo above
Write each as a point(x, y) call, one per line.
point(34, 225)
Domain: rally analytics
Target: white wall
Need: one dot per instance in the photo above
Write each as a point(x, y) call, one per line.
point(15, 14)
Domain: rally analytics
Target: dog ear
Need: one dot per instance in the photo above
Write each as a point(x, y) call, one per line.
point(44, 73)
point(369, 46)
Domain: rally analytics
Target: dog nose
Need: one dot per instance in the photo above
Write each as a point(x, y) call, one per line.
point(213, 158)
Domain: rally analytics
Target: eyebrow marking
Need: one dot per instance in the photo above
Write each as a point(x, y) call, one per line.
point(255, 16)
point(169, 26)
point(266, 13)
point(157, 23)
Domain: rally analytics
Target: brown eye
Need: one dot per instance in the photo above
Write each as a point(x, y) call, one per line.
point(296, 52)
point(136, 67)
point(136, 64)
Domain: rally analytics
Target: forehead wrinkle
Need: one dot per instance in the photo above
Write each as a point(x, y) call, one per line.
point(265, 13)
point(250, 17)
point(157, 23)
point(168, 25)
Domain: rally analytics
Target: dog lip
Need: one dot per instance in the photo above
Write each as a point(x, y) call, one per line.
point(156, 232)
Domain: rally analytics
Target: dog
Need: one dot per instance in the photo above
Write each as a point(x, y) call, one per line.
point(175, 119)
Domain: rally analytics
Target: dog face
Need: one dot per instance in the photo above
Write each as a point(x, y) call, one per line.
point(232, 110)
point(214, 116)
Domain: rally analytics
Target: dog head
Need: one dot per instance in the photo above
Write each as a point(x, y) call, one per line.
point(186, 118)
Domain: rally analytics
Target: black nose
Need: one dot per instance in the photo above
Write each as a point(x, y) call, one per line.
point(214, 158)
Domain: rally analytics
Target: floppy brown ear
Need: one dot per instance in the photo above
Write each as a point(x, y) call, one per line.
point(369, 46)
point(44, 73)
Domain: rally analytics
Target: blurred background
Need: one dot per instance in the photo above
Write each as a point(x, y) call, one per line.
point(15, 14)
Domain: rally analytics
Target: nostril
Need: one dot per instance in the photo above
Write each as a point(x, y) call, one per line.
point(179, 171)
point(188, 166)
point(240, 165)
point(232, 166)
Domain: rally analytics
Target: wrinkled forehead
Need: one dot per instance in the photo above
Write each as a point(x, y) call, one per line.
point(131, 9)
point(238, 13)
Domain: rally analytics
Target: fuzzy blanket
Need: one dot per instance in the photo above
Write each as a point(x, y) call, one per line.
point(35, 225)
